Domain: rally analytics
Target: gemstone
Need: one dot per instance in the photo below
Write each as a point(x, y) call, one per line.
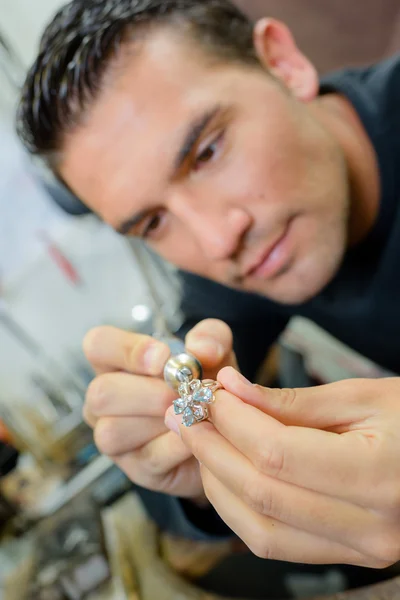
point(203, 395)
point(188, 418)
point(199, 412)
point(195, 385)
point(179, 406)
point(183, 389)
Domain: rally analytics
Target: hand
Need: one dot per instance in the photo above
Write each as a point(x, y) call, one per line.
point(306, 475)
point(126, 403)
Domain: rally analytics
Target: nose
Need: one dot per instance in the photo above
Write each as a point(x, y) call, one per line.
point(218, 229)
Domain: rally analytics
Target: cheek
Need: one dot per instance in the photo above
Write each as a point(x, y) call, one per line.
point(242, 181)
point(262, 166)
point(188, 256)
point(180, 249)
point(320, 242)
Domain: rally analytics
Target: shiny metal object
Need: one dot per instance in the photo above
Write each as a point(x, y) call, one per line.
point(181, 368)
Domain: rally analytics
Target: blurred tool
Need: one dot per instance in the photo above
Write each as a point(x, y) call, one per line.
point(182, 366)
point(145, 261)
point(70, 561)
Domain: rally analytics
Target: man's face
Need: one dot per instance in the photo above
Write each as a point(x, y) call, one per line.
point(220, 169)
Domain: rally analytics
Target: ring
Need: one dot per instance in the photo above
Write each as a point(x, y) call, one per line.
point(194, 399)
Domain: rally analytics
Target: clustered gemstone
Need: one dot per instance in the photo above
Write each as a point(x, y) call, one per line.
point(193, 401)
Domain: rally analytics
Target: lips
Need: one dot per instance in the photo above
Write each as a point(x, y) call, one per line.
point(268, 255)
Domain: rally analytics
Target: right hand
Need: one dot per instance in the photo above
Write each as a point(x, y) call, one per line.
point(126, 403)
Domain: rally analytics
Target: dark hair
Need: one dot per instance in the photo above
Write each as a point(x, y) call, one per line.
point(84, 37)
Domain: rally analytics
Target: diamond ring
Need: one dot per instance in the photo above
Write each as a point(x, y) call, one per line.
point(194, 399)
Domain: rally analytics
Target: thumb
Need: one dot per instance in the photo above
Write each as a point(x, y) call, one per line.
point(211, 341)
point(335, 406)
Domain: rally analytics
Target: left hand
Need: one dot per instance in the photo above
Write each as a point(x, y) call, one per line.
point(306, 475)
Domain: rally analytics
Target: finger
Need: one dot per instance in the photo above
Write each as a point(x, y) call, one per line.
point(123, 394)
point(271, 539)
point(323, 407)
point(338, 465)
point(88, 417)
point(163, 454)
point(110, 349)
point(298, 507)
point(211, 341)
point(341, 466)
point(164, 465)
point(115, 435)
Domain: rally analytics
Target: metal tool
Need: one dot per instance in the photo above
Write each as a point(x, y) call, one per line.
point(182, 367)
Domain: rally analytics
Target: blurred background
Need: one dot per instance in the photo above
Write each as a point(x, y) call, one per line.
point(62, 506)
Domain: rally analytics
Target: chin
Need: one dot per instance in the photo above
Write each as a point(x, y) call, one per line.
point(301, 282)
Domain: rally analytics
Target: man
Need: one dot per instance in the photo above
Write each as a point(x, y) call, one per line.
point(276, 195)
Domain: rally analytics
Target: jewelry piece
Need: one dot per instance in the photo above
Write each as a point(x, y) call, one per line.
point(194, 399)
point(183, 373)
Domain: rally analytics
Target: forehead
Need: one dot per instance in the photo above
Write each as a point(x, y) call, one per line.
point(142, 114)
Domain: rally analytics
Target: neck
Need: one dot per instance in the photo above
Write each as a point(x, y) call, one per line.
point(339, 116)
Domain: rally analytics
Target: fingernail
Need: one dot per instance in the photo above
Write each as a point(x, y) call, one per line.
point(208, 347)
point(171, 423)
point(155, 358)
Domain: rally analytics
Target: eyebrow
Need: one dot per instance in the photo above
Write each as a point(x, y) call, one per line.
point(194, 132)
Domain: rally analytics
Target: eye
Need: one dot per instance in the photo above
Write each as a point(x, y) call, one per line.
point(208, 153)
point(154, 224)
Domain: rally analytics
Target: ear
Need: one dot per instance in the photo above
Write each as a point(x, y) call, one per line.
point(277, 51)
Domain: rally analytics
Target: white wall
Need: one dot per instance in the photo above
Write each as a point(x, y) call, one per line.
point(23, 22)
